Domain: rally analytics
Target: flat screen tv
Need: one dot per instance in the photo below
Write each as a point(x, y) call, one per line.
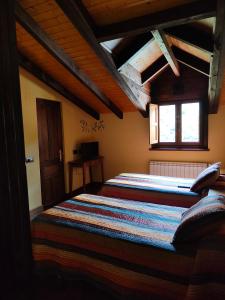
point(88, 150)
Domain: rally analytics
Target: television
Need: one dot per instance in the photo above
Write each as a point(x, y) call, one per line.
point(88, 150)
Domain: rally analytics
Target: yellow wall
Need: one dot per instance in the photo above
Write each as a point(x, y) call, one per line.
point(31, 88)
point(125, 144)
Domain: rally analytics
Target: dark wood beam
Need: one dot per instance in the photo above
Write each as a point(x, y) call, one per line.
point(191, 61)
point(76, 12)
point(163, 44)
point(133, 80)
point(137, 86)
point(16, 255)
point(168, 18)
point(133, 49)
point(218, 59)
point(129, 71)
point(145, 114)
point(192, 36)
point(154, 70)
point(55, 85)
point(34, 29)
point(138, 90)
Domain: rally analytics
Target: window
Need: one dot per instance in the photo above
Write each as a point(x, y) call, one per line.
point(180, 125)
point(167, 133)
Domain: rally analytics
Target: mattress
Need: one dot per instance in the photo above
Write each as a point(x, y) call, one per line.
point(125, 247)
point(150, 188)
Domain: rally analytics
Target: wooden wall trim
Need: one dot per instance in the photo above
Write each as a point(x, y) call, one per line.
point(55, 85)
point(16, 256)
point(34, 29)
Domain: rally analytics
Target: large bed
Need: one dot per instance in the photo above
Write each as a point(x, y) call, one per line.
point(151, 188)
point(125, 247)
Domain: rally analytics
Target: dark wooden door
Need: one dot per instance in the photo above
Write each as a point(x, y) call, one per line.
point(50, 151)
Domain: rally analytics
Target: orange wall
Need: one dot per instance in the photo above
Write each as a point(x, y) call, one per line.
point(125, 146)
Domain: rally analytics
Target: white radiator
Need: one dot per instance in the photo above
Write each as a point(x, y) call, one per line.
point(176, 169)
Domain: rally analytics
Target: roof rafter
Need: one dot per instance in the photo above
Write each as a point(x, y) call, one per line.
point(154, 70)
point(160, 20)
point(77, 14)
point(160, 38)
point(133, 49)
point(55, 85)
point(133, 77)
point(192, 36)
point(34, 29)
point(218, 59)
point(191, 61)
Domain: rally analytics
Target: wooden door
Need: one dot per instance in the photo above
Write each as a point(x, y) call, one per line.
point(50, 151)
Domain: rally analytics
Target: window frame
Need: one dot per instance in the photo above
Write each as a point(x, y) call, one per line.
point(178, 144)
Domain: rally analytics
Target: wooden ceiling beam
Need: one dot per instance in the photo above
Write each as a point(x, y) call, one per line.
point(168, 18)
point(145, 114)
point(133, 49)
point(154, 70)
point(192, 36)
point(133, 79)
point(191, 61)
point(34, 29)
point(55, 85)
point(133, 75)
point(77, 14)
point(161, 40)
point(218, 60)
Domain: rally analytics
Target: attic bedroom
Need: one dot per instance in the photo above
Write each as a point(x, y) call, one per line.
point(113, 151)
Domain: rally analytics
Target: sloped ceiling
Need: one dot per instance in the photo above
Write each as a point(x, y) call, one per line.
point(109, 12)
point(113, 68)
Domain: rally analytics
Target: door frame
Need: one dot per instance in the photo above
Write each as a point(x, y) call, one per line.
point(63, 156)
point(16, 262)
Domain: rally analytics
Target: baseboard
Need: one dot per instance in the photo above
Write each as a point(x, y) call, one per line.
point(36, 211)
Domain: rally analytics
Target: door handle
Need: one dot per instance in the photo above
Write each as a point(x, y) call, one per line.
point(60, 155)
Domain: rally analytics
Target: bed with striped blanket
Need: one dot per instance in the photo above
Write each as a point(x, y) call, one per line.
point(125, 247)
point(151, 188)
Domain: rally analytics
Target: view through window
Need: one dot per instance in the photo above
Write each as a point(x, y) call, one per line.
point(190, 122)
point(189, 125)
point(167, 126)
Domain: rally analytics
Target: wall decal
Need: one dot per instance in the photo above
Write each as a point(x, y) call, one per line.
point(93, 127)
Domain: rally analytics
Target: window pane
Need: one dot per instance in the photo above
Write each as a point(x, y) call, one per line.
point(167, 123)
point(190, 122)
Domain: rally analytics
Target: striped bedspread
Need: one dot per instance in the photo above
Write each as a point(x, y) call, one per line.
point(150, 188)
point(161, 180)
point(123, 246)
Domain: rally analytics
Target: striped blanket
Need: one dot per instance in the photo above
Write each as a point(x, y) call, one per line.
point(150, 188)
point(123, 246)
